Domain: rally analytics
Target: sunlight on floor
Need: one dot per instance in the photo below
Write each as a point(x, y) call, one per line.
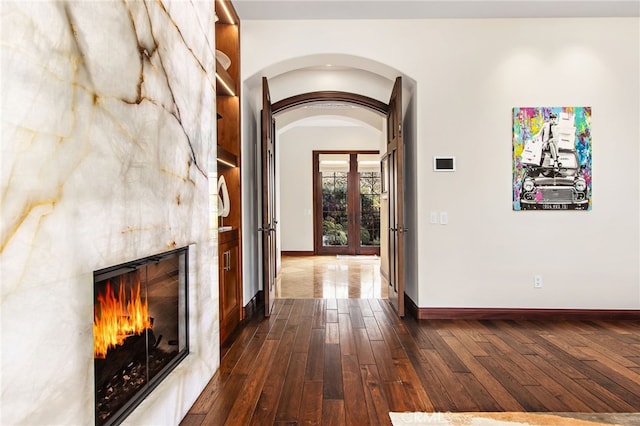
point(331, 277)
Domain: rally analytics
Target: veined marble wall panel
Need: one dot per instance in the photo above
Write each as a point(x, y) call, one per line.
point(108, 127)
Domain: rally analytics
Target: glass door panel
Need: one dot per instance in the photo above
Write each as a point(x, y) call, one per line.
point(347, 202)
point(334, 169)
point(369, 188)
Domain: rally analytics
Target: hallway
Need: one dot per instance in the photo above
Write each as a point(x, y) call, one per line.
point(351, 361)
point(331, 277)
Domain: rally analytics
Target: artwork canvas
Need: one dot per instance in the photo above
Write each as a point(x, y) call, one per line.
point(552, 158)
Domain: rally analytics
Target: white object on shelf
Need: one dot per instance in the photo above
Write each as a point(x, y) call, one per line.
point(224, 60)
point(224, 203)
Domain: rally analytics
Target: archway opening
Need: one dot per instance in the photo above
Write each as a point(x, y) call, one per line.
point(320, 95)
point(329, 176)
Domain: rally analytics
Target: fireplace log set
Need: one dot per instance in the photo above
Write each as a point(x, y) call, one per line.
point(123, 372)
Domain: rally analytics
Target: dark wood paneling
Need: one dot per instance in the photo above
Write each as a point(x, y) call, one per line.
point(229, 285)
point(315, 360)
point(355, 404)
point(377, 403)
point(333, 412)
point(227, 105)
point(297, 367)
point(311, 405)
point(291, 396)
point(243, 408)
point(267, 405)
point(332, 376)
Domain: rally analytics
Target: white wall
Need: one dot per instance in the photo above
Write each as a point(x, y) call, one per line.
point(295, 148)
point(469, 74)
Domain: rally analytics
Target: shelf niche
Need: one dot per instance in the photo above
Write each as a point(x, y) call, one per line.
point(229, 165)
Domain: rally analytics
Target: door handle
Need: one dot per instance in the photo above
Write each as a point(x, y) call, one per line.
point(267, 228)
point(403, 230)
point(227, 260)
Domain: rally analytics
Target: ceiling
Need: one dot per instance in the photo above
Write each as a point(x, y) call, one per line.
point(432, 9)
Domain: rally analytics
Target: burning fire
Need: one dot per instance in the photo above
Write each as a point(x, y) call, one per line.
point(115, 319)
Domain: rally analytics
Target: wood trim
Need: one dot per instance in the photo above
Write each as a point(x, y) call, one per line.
point(317, 212)
point(385, 275)
point(410, 307)
point(298, 253)
point(255, 304)
point(221, 12)
point(518, 313)
point(330, 96)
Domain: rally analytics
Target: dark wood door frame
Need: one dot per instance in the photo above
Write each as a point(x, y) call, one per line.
point(268, 228)
point(397, 229)
point(389, 111)
point(330, 96)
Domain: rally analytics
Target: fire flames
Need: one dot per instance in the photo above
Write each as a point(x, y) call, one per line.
point(116, 318)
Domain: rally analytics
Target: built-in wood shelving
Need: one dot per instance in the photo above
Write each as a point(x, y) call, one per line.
point(229, 165)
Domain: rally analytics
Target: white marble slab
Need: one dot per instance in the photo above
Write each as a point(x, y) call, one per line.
point(108, 127)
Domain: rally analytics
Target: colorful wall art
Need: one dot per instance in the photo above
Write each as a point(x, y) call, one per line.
point(552, 158)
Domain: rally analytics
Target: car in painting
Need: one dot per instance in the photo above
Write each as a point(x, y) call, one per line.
point(559, 186)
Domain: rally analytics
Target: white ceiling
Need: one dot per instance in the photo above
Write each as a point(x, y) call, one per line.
point(421, 9)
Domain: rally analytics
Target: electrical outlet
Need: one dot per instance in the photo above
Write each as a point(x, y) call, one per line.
point(537, 281)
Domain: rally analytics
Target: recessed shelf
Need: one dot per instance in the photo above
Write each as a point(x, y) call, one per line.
point(227, 158)
point(225, 85)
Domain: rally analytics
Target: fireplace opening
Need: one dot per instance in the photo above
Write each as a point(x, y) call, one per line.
point(139, 330)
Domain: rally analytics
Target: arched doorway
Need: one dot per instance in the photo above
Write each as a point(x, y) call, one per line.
point(287, 80)
point(344, 134)
point(391, 160)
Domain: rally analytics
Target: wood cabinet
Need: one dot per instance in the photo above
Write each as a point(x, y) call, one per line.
point(230, 289)
point(229, 166)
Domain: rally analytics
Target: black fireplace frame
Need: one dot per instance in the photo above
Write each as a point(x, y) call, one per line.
point(100, 275)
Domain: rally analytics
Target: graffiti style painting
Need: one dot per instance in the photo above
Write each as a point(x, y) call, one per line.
point(552, 158)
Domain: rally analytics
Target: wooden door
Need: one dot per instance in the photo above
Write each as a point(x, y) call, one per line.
point(397, 229)
point(345, 194)
point(268, 229)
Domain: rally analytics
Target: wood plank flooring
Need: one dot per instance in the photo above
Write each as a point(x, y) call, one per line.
point(351, 361)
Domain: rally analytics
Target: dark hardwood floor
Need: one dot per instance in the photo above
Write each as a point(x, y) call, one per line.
point(351, 361)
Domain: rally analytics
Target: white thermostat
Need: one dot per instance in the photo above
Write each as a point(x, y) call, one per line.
point(444, 164)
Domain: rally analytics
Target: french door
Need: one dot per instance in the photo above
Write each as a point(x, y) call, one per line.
point(268, 228)
point(394, 174)
point(393, 158)
point(347, 188)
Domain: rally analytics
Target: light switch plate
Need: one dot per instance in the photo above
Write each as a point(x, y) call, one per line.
point(444, 218)
point(434, 217)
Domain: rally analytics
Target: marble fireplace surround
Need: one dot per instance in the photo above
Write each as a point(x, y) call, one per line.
point(108, 134)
